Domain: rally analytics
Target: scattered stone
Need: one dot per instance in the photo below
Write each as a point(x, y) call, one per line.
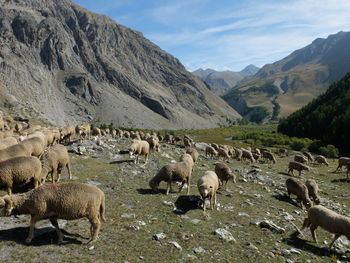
point(224, 235)
point(91, 248)
point(190, 257)
point(243, 214)
point(287, 216)
point(195, 221)
point(168, 203)
point(94, 183)
point(176, 245)
point(270, 225)
point(128, 216)
point(159, 236)
point(199, 250)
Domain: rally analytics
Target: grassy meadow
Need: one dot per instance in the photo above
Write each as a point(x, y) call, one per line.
point(135, 214)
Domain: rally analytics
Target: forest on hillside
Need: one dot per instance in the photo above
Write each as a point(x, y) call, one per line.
point(326, 118)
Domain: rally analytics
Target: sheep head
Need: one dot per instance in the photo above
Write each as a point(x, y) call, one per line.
point(6, 206)
point(154, 185)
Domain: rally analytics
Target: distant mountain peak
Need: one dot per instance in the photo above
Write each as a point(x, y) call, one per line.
point(250, 70)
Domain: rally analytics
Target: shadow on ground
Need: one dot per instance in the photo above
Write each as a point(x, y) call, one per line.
point(149, 191)
point(185, 203)
point(285, 198)
point(305, 245)
point(42, 236)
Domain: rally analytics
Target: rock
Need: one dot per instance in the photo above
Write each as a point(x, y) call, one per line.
point(168, 203)
point(159, 236)
point(128, 215)
point(224, 235)
point(243, 214)
point(176, 245)
point(199, 250)
point(195, 221)
point(270, 225)
point(91, 248)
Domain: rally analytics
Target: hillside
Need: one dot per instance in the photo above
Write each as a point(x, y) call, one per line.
point(326, 118)
point(220, 82)
point(62, 63)
point(300, 77)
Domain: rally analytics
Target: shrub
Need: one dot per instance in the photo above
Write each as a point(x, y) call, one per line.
point(329, 151)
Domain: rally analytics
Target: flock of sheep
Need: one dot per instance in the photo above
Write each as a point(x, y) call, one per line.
point(29, 154)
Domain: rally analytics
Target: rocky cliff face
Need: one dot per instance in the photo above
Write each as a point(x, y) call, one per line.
point(63, 63)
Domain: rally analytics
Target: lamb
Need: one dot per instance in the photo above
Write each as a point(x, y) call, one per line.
point(7, 142)
point(139, 147)
point(321, 160)
point(175, 172)
point(268, 156)
point(14, 151)
point(297, 166)
point(208, 184)
point(67, 201)
point(194, 154)
point(313, 191)
point(209, 150)
point(20, 171)
point(54, 160)
point(329, 221)
point(224, 173)
point(300, 190)
point(300, 158)
point(342, 162)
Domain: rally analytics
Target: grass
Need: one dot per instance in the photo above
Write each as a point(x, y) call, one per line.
point(135, 215)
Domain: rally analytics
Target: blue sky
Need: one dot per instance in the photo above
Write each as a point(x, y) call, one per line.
point(228, 34)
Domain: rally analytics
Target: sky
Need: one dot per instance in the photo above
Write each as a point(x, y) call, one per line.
point(228, 34)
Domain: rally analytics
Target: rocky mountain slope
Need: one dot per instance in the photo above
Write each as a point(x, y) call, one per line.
point(299, 77)
point(220, 82)
point(62, 63)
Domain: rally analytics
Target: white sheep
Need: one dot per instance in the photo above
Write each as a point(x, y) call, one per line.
point(139, 147)
point(194, 154)
point(7, 142)
point(208, 184)
point(268, 156)
point(300, 158)
point(329, 221)
point(175, 172)
point(209, 150)
point(58, 201)
point(321, 160)
point(20, 171)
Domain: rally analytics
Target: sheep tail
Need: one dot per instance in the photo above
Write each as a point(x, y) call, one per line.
point(102, 209)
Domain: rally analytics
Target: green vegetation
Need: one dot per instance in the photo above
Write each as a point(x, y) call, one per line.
point(326, 118)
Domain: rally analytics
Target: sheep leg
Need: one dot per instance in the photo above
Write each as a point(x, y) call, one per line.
point(146, 158)
point(214, 200)
point(168, 188)
point(188, 185)
point(336, 236)
point(9, 190)
point(95, 226)
point(69, 171)
point(313, 233)
point(58, 231)
point(33, 221)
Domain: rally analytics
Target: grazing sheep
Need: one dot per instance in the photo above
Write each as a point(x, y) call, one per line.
point(342, 162)
point(329, 221)
point(239, 154)
point(321, 160)
point(67, 201)
point(175, 172)
point(297, 166)
point(67, 132)
point(14, 151)
point(309, 156)
point(224, 173)
point(209, 150)
point(139, 148)
point(176, 139)
point(153, 144)
point(222, 152)
point(7, 142)
point(96, 131)
point(194, 154)
point(215, 146)
point(208, 184)
point(54, 160)
point(268, 156)
point(35, 146)
point(300, 158)
point(247, 155)
point(282, 152)
point(20, 171)
point(300, 190)
point(313, 190)
point(188, 142)
point(84, 131)
point(168, 138)
point(126, 134)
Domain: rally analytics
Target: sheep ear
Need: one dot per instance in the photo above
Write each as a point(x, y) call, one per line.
point(8, 205)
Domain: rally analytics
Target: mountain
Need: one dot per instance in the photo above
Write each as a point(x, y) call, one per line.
point(250, 70)
point(296, 79)
point(326, 118)
point(62, 63)
point(220, 82)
